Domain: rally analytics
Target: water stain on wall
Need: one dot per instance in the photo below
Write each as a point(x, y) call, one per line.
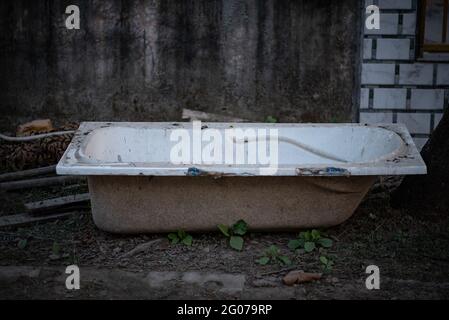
point(146, 60)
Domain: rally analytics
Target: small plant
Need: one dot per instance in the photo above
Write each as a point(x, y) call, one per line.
point(309, 240)
point(22, 243)
point(271, 119)
point(235, 233)
point(326, 263)
point(180, 237)
point(56, 249)
point(273, 255)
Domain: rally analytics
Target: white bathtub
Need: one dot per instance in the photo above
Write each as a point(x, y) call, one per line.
point(323, 172)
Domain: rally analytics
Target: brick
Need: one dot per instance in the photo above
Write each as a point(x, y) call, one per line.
point(367, 49)
point(395, 4)
point(409, 24)
point(427, 99)
point(390, 98)
point(415, 122)
point(388, 25)
point(364, 98)
point(376, 117)
point(378, 73)
point(393, 49)
point(416, 74)
point(443, 74)
point(420, 142)
point(436, 120)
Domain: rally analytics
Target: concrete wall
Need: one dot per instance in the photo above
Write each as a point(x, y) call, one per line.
point(146, 60)
point(396, 86)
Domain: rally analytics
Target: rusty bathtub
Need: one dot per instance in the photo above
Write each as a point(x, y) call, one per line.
point(323, 171)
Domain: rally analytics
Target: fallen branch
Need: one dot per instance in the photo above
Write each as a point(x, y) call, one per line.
point(41, 182)
point(12, 176)
point(17, 220)
point(141, 248)
point(57, 203)
point(275, 272)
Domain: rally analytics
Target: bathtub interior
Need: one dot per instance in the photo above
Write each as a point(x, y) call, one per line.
point(300, 145)
point(145, 149)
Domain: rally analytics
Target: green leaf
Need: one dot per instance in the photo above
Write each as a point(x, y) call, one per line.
point(224, 229)
point(22, 243)
point(240, 228)
point(175, 240)
point(172, 236)
point(236, 243)
point(271, 119)
point(285, 260)
point(307, 236)
point(181, 234)
point(273, 251)
point(56, 248)
point(309, 246)
point(315, 234)
point(324, 260)
point(187, 240)
point(295, 244)
point(325, 242)
point(263, 261)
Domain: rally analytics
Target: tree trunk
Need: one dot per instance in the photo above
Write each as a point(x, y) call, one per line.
point(429, 191)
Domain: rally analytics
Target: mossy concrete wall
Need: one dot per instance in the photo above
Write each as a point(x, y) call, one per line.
point(146, 60)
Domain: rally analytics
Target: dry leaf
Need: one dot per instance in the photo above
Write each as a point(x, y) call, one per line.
point(299, 276)
point(36, 126)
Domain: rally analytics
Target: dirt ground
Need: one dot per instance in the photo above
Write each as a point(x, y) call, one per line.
point(410, 248)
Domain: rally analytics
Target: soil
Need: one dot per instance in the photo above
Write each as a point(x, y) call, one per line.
point(409, 247)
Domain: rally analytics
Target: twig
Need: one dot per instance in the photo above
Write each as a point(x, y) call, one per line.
point(141, 248)
point(16, 220)
point(276, 272)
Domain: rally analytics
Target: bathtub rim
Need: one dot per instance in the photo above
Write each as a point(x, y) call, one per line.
point(408, 163)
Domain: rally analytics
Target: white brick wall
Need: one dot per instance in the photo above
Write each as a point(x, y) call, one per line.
point(437, 120)
point(376, 117)
point(409, 24)
point(416, 122)
point(395, 4)
point(404, 89)
point(393, 49)
point(390, 98)
point(367, 48)
point(416, 74)
point(443, 74)
point(364, 98)
point(427, 99)
point(378, 73)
